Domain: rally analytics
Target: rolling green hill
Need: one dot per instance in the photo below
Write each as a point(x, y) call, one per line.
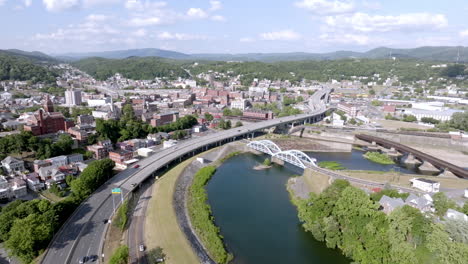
point(445, 54)
point(134, 68)
point(23, 67)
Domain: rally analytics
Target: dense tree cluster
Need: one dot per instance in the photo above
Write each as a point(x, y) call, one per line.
point(345, 217)
point(128, 127)
point(453, 70)
point(21, 69)
point(26, 227)
point(44, 148)
point(321, 70)
point(91, 178)
point(146, 68)
point(201, 217)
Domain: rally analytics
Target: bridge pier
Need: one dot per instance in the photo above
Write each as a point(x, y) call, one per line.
point(428, 168)
point(411, 161)
point(277, 161)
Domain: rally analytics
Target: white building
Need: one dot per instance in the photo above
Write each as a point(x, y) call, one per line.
point(350, 110)
point(169, 143)
point(239, 104)
point(145, 152)
point(425, 184)
point(73, 97)
point(441, 115)
point(12, 164)
point(99, 102)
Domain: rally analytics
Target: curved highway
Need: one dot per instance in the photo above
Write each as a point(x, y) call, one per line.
point(83, 233)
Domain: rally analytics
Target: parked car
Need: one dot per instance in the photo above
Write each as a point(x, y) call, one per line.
point(136, 166)
point(141, 248)
point(83, 260)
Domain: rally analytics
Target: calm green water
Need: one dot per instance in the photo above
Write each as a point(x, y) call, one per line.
point(257, 220)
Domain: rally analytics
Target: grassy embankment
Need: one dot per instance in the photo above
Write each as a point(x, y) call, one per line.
point(161, 226)
point(379, 158)
point(331, 165)
point(202, 219)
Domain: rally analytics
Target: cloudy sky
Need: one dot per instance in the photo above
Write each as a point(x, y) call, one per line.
point(233, 26)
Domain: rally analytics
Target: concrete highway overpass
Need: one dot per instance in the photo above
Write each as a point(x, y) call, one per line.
point(83, 233)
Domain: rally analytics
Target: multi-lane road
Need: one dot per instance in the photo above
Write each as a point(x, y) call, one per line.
point(82, 234)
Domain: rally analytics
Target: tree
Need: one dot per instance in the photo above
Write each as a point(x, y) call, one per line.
point(453, 70)
point(120, 256)
point(444, 249)
point(430, 120)
point(372, 92)
point(155, 254)
point(459, 121)
point(410, 118)
point(442, 203)
point(267, 162)
point(239, 124)
point(457, 229)
point(227, 112)
point(209, 117)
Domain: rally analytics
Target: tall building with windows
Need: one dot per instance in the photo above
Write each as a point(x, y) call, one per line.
point(73, 97)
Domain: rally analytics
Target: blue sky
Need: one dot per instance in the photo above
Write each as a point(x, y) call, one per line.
point(234, 26)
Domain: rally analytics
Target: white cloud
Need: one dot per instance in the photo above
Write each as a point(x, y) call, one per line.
point(97, 17)
point(218, 18)
point(60, 5)
point(280, 35)
point(89, 30)
point(215, 5)
point(196, 13)
point(179, 36)
point(246, 39)
point(27, 3)
point(363, 22)
point(325, 7)
point(357, 39)
point(464, 33)
point(140, 33)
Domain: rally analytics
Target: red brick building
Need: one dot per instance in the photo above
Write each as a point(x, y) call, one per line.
point(47, 121)
point(257, 114)
point(120, 156)
point(164, 119)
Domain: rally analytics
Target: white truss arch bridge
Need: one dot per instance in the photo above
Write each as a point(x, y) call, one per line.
point(294, 157)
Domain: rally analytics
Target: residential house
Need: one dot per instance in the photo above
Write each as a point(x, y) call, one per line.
point(423, 203)
point(389, 204)
point(11, 164)
point(34, 182)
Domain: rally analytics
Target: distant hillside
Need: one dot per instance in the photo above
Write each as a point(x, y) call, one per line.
point(34, 56)
point(134, 68)
point(24, 67)
point(122, 54)
point(445, 54)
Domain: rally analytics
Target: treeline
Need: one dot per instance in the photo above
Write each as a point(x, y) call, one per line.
point(128, 127)
point(146, 68)
point(27, 227)
point(21, 69)
point(201, 218)
point(43, 148)
point(346, 218)
point(406, 69)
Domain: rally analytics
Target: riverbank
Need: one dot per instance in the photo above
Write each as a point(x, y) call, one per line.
point(307, 144)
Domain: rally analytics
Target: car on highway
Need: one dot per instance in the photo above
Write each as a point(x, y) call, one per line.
point(93, 258)
point(141, 247)
point(136, 166)
point(83, 260)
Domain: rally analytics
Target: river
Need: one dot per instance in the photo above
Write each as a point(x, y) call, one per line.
point(257, 219)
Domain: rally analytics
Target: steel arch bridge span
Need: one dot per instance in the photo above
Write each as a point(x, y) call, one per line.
point(296, 157)
point(265, 146)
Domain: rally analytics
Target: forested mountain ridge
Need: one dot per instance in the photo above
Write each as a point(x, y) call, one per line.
point(441, 53)
point(146, 68)
point(22, 68)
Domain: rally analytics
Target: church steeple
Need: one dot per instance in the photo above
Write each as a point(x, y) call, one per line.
point(48, 106)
